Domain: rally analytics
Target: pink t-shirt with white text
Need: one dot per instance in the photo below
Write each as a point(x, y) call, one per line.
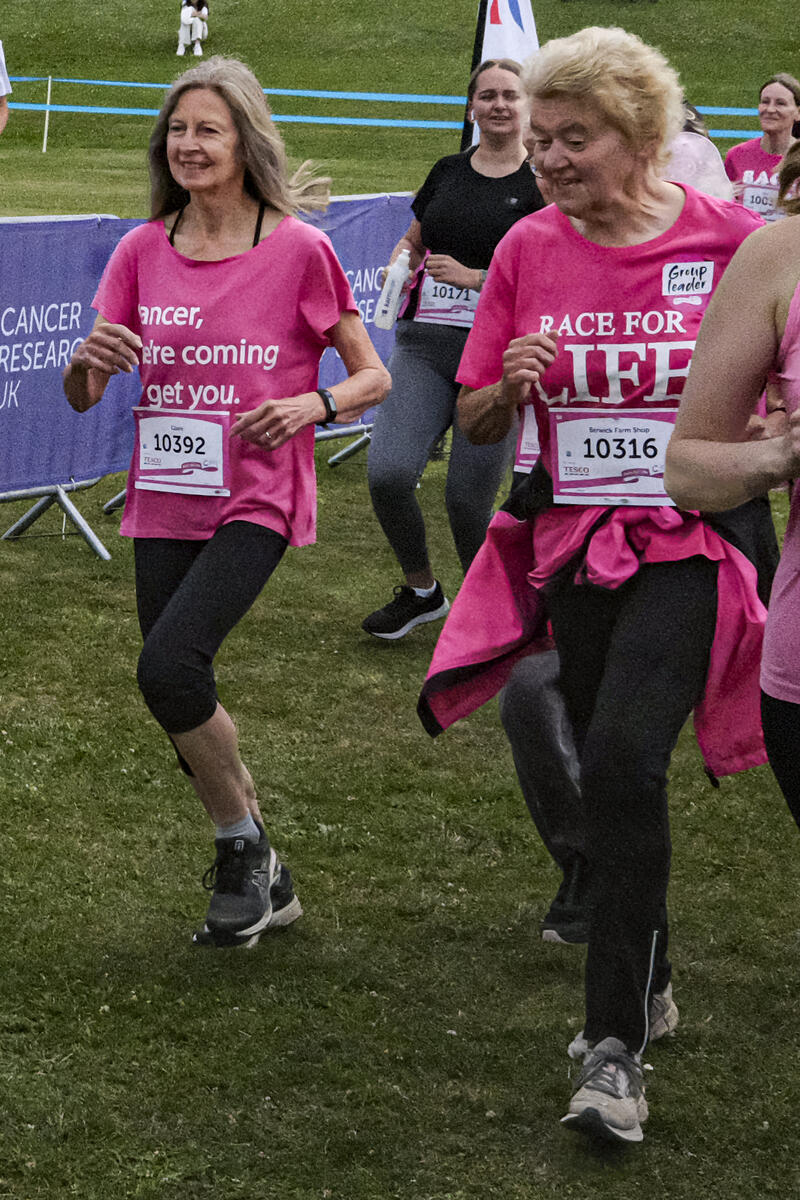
point(747, 164)
point(626, 316)
point(223, 337)
point(780, 664)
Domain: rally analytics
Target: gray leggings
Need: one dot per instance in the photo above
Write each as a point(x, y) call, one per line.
point(419, 409)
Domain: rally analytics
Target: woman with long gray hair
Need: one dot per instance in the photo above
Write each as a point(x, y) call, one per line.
point(225, 301)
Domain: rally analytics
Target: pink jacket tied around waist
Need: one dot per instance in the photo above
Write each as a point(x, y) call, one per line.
point(499, 615)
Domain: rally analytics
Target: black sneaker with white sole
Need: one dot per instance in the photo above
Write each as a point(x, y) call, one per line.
point(407, 609)
point(567, 919)
point(252, 891)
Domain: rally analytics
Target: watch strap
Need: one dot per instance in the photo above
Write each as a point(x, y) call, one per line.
point(331, 411)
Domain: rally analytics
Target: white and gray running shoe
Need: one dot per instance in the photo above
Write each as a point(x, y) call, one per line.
point(663, 1014)
point(609, 1102)
point(663, 1019)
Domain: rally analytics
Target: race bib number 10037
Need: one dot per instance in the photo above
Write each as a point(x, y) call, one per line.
point(610, 458)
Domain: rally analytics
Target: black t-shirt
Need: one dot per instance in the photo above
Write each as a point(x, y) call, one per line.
point(465, 214)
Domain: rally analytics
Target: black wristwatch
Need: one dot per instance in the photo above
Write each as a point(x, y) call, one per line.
point(331, 411)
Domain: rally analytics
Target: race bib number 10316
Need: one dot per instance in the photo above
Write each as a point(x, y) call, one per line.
point(610, 458)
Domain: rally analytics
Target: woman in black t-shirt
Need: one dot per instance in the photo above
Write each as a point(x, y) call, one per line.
point(463, 209)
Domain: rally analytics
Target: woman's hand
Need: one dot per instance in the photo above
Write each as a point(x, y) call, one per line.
point(791, 439)
point(524, 362)
point(445, 269)
point(272, 423)
point(108, 350)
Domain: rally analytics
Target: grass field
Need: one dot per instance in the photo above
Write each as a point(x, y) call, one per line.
point(406, 1039)
point(724, 49)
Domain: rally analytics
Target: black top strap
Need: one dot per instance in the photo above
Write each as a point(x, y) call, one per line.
point(175, 225)
point(257, 235)
point(262, 208)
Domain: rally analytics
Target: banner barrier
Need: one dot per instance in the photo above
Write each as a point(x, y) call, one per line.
point(51, 268)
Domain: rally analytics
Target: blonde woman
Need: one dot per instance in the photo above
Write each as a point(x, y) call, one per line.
point(589, 316)
point(225, 301)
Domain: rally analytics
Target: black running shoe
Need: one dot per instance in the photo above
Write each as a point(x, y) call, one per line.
point(567, 919)
point(252, 891)
point(407, 609)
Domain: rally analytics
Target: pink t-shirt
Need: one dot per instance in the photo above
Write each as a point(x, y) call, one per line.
point(627, 317)
point(780, 664)
point(222, 337)
point(757, 172)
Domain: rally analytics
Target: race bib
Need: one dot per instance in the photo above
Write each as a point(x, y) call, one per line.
point(445, 304)
point(761, 200)
point(181, 452)
point(610, 458)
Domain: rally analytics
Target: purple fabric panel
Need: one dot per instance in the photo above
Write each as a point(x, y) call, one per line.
point(48, 274)
point(364, 233)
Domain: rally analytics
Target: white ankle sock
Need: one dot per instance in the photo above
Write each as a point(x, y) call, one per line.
point(426, 593)
point(246, 828)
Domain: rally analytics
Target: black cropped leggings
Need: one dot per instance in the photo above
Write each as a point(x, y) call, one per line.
point(189, 596)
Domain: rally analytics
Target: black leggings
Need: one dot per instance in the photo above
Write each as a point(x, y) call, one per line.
point(189, 595)
point(781, 722)
point(633, 664)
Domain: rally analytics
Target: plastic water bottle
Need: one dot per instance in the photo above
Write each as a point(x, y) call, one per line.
point(392, 292)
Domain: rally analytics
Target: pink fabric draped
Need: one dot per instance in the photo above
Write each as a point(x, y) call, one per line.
point(499, 615)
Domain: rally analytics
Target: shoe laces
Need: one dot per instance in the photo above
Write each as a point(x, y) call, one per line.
point(401, 593)
point(229, 870)
point(614, 1074)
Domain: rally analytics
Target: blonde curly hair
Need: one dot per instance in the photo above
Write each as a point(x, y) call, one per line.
point(630, 83)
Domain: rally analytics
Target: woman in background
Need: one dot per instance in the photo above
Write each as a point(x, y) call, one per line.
point(461, 212)
point(752, 167)
point(193, 29)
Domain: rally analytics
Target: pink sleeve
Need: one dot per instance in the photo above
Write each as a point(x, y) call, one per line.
point(117, 291)
point(731, 164)
point(325, 291)
point(494, 327)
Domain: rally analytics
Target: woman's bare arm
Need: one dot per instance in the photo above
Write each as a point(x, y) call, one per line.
point(712, 461)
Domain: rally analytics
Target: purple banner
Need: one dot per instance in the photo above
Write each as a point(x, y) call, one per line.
point(48, 277)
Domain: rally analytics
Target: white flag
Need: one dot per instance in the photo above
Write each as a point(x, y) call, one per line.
point(509, 30)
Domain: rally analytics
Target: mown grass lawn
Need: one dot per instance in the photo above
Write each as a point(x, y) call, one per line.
point(407, 1037)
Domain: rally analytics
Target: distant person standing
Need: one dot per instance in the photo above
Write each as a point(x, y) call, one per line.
point(753, 166)
point(194, 27)
point(5, 91)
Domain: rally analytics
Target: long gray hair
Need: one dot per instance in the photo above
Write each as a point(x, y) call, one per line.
point(261, 148)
